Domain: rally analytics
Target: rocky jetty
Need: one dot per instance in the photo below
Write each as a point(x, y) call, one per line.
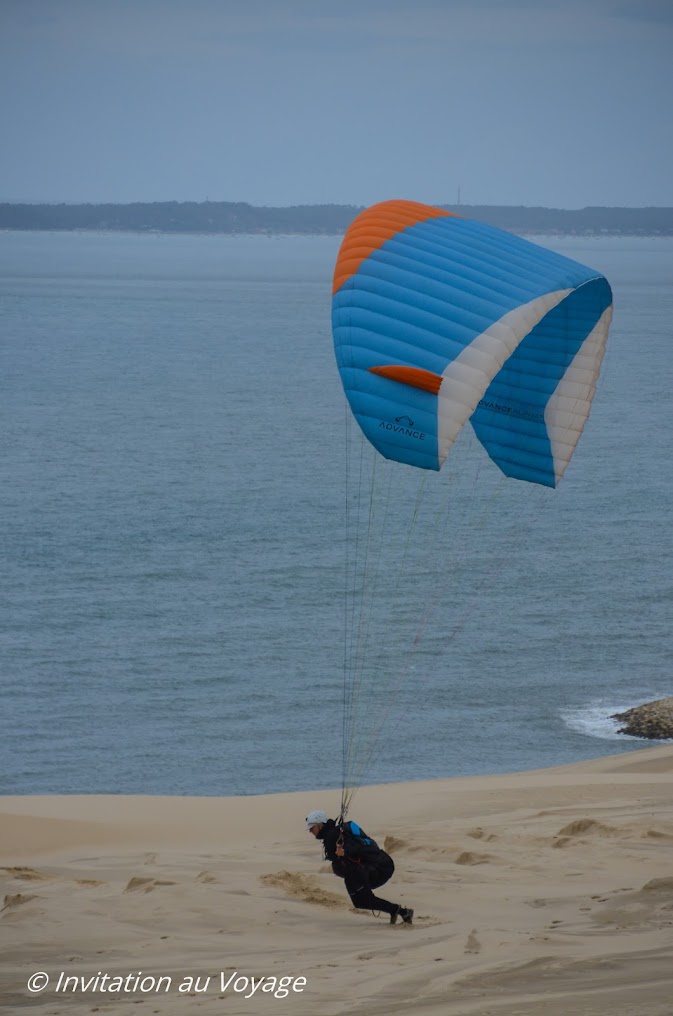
point(653, 720)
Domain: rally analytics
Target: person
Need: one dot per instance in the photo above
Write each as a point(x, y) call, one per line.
point(359, 861)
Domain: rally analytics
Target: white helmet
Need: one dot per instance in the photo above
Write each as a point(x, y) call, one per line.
point(316, 818)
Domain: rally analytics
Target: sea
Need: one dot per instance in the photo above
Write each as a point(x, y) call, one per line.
point(174, 500)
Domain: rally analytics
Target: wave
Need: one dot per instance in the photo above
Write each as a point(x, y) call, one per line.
point(594, 719)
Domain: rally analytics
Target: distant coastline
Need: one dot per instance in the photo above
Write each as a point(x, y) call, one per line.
point(315, 220)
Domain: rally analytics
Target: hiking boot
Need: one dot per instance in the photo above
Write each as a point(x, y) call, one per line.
point(404, 912)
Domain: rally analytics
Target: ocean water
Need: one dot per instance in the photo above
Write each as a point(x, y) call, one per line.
point(173, 482)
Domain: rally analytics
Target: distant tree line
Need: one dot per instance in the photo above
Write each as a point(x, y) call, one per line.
point(240, 217)
point(181, 217)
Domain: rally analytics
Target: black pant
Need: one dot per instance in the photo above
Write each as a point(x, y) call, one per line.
point(360, 879)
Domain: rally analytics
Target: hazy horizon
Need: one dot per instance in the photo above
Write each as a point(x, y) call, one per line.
point(310, 204)
point(507, 102)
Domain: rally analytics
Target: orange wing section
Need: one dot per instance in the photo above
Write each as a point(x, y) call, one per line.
point(373, 227)
point(414, 376)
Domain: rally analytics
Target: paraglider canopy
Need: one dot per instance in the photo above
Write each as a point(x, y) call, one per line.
point(438, 320)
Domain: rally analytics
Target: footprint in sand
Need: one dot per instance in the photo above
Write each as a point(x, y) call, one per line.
point(26, 874)
point(658, 886)
point(470, 857)
point(391, 844)
point(206, 876)
point(480, 834)
point(570, 833)
point(656, 834)
point(12, 901)
point(472, 945)
point(650, 906)
point(145, 885)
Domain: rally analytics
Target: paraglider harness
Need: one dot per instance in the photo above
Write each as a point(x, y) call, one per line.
point(353, 830)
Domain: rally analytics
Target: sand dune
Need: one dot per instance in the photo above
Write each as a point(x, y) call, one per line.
point(549, 892)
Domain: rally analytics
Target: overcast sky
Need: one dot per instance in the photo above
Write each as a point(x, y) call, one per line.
point(280, 102)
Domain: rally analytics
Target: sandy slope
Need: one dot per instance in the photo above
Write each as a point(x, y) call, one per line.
point(547, 892)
